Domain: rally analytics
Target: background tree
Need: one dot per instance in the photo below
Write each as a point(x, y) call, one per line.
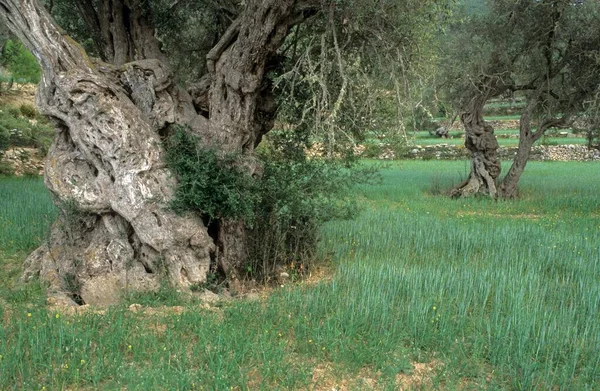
point(16, 63)
point(349, 77)
point(559, 77)
point(540, 49)
point(588, 122)
point(21, 64)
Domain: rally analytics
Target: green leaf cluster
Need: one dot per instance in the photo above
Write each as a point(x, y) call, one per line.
point(297, 195)
point(209, 182)
point(283, 208)
point(20, 63)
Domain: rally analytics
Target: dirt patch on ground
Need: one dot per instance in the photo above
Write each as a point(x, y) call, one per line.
point(56, 305)
point(160, 311)
point(327, 378)
point(526, 216)
point(420, 377)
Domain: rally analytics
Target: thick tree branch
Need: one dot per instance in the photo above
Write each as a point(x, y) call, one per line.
point(90, 16)
point(226, 40)
point(32, 24)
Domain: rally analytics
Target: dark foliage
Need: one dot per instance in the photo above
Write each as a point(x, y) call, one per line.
point(283, 209)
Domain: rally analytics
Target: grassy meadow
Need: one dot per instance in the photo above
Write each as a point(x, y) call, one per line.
point(421, 292)
point(26, 213)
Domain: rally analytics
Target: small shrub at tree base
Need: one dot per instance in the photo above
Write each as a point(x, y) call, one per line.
point(283, 209)
point(209, 183)
point(297, 195)
point(27, 110)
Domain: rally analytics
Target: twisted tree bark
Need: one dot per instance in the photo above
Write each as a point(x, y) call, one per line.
point(106, 167)
point(481, 141)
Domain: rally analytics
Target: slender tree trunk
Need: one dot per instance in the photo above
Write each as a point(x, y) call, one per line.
point(106, 167)
point(481, 141)
point(508, 188)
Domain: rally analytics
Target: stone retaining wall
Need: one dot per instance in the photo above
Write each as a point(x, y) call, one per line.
point(496, 124)
point(29, 161)
point(568, 152)
point(24, 161)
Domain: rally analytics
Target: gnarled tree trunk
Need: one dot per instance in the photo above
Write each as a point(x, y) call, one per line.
point(106, 167)
point(508, 188)
point(239, 111)
point(481, 141)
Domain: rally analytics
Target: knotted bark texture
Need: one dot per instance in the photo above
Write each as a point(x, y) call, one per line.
point(106, 167)
point(106, 171)
point(480, 140)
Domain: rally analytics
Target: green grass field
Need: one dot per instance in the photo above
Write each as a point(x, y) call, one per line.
point(25, 213)
point(424, 293)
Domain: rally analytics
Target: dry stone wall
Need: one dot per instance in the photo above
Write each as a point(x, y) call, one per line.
point(567, 152)
point(28, 161)
point(23, 161)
